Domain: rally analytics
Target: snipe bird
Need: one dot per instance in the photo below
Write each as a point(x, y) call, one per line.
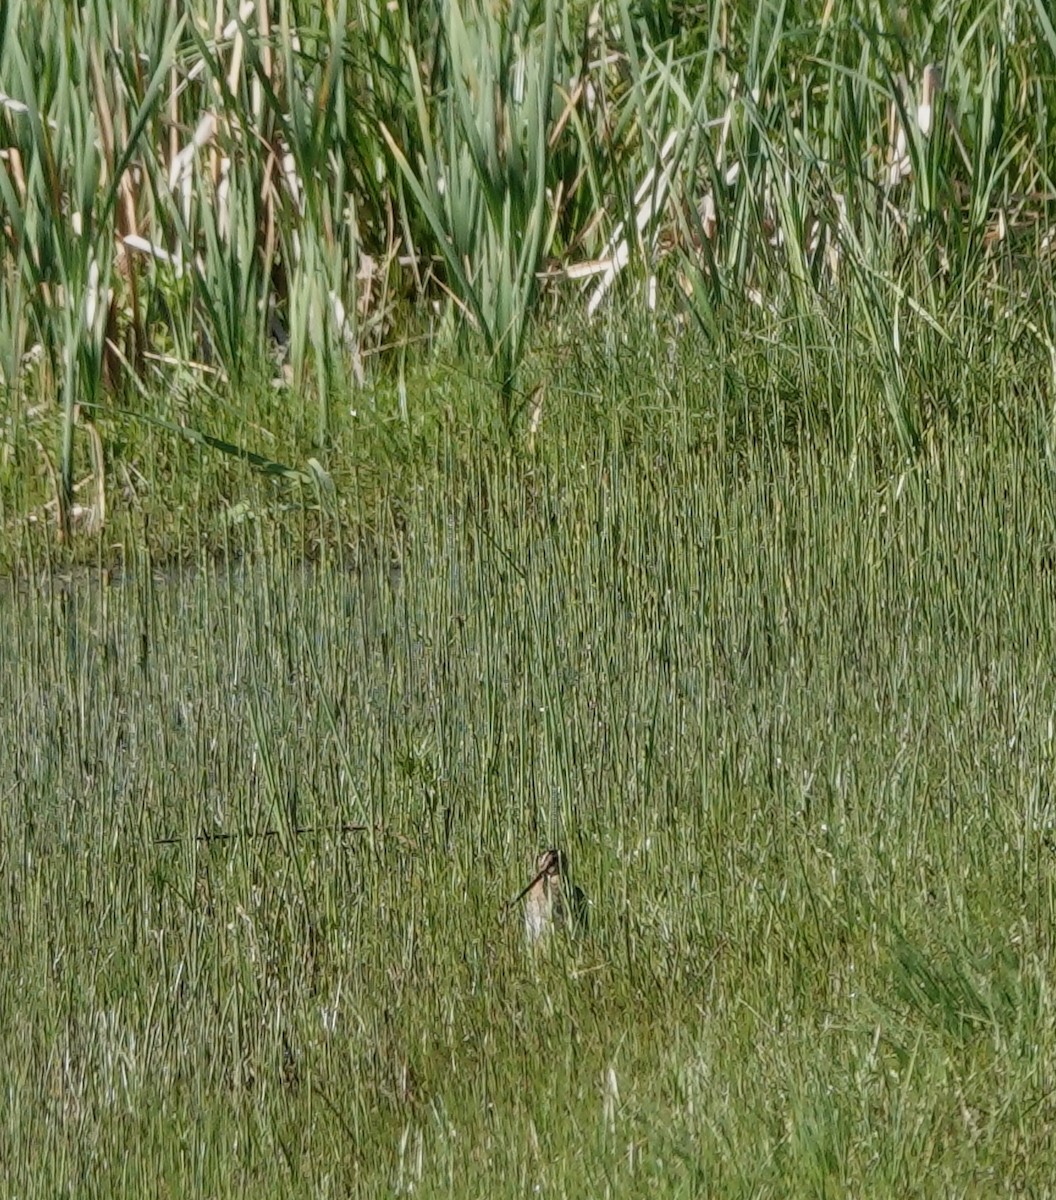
point(554, 902)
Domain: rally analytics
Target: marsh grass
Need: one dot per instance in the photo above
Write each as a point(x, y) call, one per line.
point(792, 716)
point(755, 623)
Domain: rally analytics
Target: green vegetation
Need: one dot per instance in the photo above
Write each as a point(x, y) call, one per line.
point(435, 431)
point(795, 727)
point(243, 227)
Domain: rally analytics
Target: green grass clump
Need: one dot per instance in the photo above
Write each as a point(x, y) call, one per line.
point(791, 714)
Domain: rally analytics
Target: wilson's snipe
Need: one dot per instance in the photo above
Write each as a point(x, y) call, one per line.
point(554, 902)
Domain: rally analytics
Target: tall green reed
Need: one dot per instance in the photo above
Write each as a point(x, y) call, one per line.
point(481, 180)
point(271, 192)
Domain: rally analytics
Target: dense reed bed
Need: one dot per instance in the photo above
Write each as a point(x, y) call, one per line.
point(250, 227)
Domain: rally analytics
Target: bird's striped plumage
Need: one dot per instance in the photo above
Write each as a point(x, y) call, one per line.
point(553, 901)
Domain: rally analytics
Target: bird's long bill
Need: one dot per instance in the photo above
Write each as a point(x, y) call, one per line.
point(527, 888)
